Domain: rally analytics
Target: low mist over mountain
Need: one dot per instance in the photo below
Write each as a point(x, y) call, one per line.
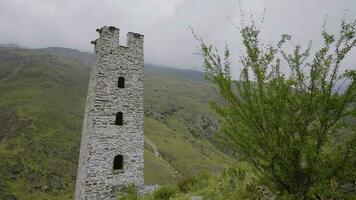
point(13, 45)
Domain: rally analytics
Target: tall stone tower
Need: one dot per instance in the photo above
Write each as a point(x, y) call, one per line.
point(111, 152)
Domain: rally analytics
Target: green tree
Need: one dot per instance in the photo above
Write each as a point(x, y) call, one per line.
point(287, 114)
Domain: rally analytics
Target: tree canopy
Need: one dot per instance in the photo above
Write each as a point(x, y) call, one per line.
point(290, 113)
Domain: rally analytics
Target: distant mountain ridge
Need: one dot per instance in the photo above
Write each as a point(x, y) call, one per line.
point(87, 57)
point(13, 45)
point(183, 73)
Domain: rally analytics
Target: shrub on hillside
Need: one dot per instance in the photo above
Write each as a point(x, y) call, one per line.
point(165, 193)
point(130, 193)
point(186, 181)
point(284, 114)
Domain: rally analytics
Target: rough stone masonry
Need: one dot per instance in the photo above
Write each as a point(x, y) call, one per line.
point(111, 152)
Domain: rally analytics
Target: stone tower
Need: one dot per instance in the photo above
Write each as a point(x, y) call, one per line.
point(111, 152)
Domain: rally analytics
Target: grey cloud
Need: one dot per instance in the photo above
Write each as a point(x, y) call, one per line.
point(165, 24)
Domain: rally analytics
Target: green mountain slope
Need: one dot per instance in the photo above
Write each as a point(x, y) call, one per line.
point(42, 97)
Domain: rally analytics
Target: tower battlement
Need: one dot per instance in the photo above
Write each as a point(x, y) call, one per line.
point(112, 34)
point(111, 152)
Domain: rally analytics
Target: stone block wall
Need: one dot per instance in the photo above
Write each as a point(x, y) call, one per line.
point(102, 138)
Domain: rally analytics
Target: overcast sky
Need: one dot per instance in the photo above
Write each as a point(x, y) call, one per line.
point(165, 23)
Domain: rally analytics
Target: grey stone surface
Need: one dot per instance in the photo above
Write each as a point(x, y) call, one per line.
point(206, 125)
point(149, 189)
point(102, 140)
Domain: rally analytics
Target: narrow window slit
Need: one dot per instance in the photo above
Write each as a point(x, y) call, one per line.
point(118, 162)
point(121, 82)
point(119, 120)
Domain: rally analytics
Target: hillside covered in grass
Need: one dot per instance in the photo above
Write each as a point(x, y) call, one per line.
point(42, 98)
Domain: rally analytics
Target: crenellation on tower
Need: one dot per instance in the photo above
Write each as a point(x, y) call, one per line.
point(111, 154)
point(135, 41)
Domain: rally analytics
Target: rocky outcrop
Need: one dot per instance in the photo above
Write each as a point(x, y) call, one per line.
point(206, 126)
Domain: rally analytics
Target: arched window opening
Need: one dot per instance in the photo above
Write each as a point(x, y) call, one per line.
point(119, 120)
point(118, 162)
point(121, 82)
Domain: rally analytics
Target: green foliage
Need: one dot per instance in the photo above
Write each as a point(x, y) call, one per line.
point(235, 183)
point(164, 193)
point(41, 119)
point(186, 181)
point(130, 193)
point(285, 114)
point(180, 149)
point(157, 171)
